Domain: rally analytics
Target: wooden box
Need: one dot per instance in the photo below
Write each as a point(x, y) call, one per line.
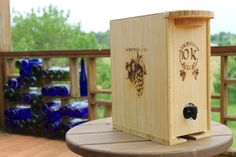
point(160, 75)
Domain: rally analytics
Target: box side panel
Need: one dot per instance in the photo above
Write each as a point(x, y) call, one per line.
point(124, 111)
point(140, 105)
point(189, 76)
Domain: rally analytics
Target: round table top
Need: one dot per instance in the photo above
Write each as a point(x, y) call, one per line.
point(98, 138)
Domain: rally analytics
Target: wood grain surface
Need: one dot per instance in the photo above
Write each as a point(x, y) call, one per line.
point(98, 138)
point(174, 50)
point(12, 145)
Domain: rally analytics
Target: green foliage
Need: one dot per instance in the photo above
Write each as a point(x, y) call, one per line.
point(48, 29)
point(216, 82)
point(102, 39)
point(223, 39)
point(103, 74)
point(226, 39)
point(232, 74)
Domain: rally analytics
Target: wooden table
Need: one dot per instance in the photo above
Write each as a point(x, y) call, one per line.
point(98, 139)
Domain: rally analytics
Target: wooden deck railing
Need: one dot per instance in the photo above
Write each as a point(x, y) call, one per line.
point(7, 68)
point(224, 52)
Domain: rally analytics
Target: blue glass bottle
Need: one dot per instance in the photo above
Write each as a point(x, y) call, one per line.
point(15, 123)
point(45, 91)
point(11, 94)
point(25, 81)
point(50, 104)
point(12, 83)
point(24, 112)
point(10, 113)
point(12, 123)
point(55, 90)
point(52, 90)
point(24, 72)
point(58, 72)
point(65, 108)
point(36, 70)
point(19, 112)
point(32, 97)
point(51, 111)
point(63, 111)
point(32, 81)
point(52, 74)
point(7, 122)
point(63, 90)
point(72, 122)
point(75, 109)
point(78, 110)
point(5, 86)
point(24, 68)
point(19, 81)
point(45, 74)
point(54, 126)
point(37, 120)
point(26, 65)
point(83, 80)
point(52, 119)
point(24, 123)
point(19, 62)
point(62, 73)
point(34, 61)
point(18, 116)
point(28, 81)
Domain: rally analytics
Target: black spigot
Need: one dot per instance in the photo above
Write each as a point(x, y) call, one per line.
point(190, 111)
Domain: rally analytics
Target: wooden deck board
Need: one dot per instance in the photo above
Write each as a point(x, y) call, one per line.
point(28, 146)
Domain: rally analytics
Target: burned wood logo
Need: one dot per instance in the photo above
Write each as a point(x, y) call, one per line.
point(188, 57)
point(136, 71)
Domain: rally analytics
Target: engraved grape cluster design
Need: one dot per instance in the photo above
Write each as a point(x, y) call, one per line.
point(136, 71)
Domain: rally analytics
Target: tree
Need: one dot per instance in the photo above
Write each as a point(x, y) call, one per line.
point(48, 29)
point(104, 73)
point(223, 39)
point(102, 38)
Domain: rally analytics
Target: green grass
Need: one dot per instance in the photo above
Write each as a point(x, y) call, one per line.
point(100, 111)
point(215, 116)
point(232, 125)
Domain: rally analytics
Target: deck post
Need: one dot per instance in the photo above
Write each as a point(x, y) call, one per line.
point(5, 45)
point(91, 87)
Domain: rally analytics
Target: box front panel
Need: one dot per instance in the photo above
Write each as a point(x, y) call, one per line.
point(139, 75)
point(188, 72)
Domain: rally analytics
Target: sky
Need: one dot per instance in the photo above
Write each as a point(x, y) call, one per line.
point(95, 15)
